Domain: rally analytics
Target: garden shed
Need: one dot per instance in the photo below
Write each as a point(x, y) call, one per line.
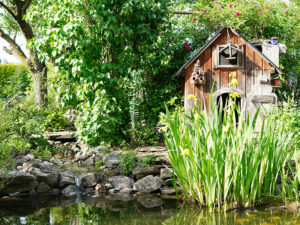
point(256, 67)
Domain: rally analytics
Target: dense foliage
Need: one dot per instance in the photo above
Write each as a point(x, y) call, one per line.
point(115, 55)
point(14, 80)
point(20, 120)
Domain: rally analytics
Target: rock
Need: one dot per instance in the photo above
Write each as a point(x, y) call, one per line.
point(144, 171)
point(19, 167)
point(49, 178)
point(108, 186)
point(66, 174)
point(83, 147)
point(88, 162)
point(112, 163)
point(43, 188)
point(165, 173)
point(19, 182)
point(29, 157)
point(121, 182)
point(153, 149)
point(66, 181)
point(148, 184)
point(72, 190)
point(98, 157)
point(58, 143)
point(67, 144)
point(16, 194)
point(150, 202)
point(27, 167)
point(68, 163)
point(169, 183)
point(111, 172)
point(35, 163)
point(56, 161)
point(90, 180)
point(19, 162)
point(111, 156)
point(46, 165)
point(163, 160)
point(126, 191)
point(113, 191)
point(168, 191)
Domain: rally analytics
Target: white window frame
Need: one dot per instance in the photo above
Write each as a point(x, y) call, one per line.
point(240, 59)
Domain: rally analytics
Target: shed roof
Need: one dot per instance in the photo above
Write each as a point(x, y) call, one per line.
point(204, 47)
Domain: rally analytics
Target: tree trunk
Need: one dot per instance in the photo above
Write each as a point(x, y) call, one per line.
point(39, 75)
point(40, 86)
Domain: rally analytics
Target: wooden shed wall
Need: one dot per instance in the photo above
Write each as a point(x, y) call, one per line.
point(248, 83)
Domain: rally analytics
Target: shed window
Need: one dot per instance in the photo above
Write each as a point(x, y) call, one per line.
point(229, 56)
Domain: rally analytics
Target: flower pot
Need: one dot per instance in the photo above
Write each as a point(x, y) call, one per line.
point(276, 82)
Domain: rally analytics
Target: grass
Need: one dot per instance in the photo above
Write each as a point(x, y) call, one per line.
point(222, 163)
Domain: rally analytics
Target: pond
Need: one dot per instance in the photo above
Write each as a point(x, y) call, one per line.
point(128, 209)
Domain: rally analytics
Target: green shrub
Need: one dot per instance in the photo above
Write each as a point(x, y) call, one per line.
point(288, 115)
point(147, 161)
point(14, 80)
point(55, 121)
point(19, 120)
point(127, 162)
point(221, 163)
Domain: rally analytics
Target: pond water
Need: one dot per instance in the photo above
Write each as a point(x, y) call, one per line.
point(128, 209)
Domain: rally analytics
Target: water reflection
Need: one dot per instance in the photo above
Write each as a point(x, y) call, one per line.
point(129, 209)
point(188, 215)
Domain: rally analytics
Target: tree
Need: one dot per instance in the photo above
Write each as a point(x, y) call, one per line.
point(101, 46)
point(13, 22)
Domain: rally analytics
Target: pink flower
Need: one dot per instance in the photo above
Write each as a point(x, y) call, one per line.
point(194, 19)
point(187, 47)
point(285, 10)
point(220, 10)
point(283, 2)
point(260, 13)
point(217, 2)
point(230, 6)
point(237, 13)
point(205, 11)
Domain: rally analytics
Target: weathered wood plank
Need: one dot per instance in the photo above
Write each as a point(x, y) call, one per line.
point(249, 58)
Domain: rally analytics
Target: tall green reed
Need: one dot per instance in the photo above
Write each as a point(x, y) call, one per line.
point(221, 161)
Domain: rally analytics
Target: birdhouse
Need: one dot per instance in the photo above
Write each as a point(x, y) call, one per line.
point(198, 76)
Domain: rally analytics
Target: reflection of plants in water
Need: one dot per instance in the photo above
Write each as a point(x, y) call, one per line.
point(84, 214)
point(193, 216)
point(39, 218)
point(128, 214)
